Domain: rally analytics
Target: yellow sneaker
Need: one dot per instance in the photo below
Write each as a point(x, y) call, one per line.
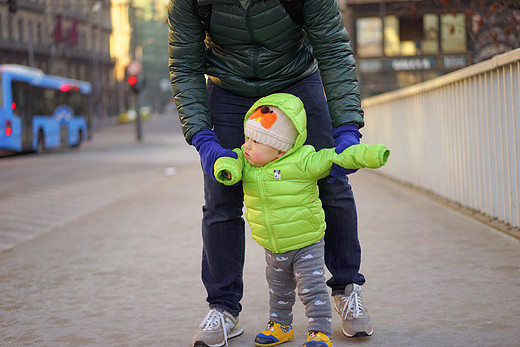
point(274, 334)
point(318, 339)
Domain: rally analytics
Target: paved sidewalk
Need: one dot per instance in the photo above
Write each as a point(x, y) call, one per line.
point(129, 274)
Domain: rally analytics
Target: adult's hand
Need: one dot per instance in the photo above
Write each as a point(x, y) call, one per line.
point(206, 143)
point(345, 136)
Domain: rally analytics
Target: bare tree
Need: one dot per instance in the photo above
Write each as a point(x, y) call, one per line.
point(493, 26)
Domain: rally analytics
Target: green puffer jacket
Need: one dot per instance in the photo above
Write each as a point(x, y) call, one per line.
point(255, 50)
point(281, 198)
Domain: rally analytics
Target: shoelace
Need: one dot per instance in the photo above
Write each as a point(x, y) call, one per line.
point(352, 304)
point(213, 318)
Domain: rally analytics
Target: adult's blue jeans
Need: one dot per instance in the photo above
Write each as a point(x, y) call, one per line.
point(223, 232)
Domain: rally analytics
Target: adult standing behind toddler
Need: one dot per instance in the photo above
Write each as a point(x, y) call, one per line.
point(250, 49)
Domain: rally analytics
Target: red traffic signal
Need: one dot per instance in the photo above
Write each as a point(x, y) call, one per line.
point(132, 80)
point(136, 83)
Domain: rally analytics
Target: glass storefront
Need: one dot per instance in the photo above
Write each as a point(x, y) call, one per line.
point(453, 33)
point(409, 37)
point(395, 52)
point(369, 41)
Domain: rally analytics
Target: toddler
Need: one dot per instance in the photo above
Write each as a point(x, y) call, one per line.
point(279, 174)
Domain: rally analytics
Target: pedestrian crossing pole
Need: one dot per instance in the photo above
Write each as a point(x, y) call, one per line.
point(135, 81)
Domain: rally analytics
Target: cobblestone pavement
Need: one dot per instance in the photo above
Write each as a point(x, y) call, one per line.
point(128, 273)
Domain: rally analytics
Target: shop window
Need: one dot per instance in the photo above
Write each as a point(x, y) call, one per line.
point(430, 44)
point(409, 36)
point(392, 43)
point(410, 29)
point(394, 46)
point(369, 37)
point(453, 33)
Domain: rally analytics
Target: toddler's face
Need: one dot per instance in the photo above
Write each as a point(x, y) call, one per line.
point(258, 154)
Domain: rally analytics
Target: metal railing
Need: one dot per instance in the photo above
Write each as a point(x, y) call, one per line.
point(456, 136)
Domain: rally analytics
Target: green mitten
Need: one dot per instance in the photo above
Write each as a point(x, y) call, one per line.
point(225, 166)
point(362, 155)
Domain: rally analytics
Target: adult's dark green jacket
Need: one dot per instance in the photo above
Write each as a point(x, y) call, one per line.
point(253, 49)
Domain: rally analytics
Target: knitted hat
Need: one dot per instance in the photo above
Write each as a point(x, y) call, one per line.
point(270, 126)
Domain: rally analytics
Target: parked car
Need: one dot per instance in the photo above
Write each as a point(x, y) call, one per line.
point(130, 115)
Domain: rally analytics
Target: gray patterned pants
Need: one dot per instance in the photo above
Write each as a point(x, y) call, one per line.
point(303, 269)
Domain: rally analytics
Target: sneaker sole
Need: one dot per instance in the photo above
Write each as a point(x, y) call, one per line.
point(358, 334)
point(232, 334)
point(275, 343)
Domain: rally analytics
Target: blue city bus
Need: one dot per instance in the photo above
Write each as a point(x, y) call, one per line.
point(39, 111)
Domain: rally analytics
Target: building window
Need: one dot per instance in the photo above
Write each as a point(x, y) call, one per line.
point(82, 75)
point(10, 28)
point(430, 44)
point(409, 36)
point(395, 43)
point(39, 34)
point(20, 30)
point(369, 37)
point(82, 38)
point(453, 33)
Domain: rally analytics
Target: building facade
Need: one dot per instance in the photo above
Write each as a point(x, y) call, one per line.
point(402, 42)
point(69, 38)
point(399, 43)
point(151, 48)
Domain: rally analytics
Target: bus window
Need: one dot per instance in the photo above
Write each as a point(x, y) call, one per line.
point(22, 107)
point(43, 101)
point(79, 103)
point(46, 101)
point(49, 101)
point(18, 97)
point(39, 101)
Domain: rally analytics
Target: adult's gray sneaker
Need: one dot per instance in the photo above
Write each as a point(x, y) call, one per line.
point(216, 329)
point(356, 321)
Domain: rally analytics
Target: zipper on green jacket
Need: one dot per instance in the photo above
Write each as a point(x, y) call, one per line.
point(267, 210)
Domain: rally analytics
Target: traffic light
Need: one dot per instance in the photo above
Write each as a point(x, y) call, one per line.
point(136, 83)
point(132, 80)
